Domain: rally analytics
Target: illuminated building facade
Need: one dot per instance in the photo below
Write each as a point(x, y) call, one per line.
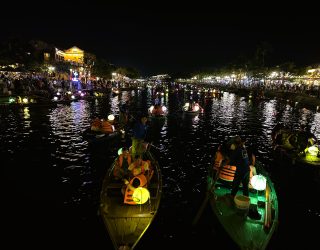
point(72, 55)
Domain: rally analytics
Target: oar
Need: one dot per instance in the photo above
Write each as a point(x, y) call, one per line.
point(208, 195)
point(154, 146)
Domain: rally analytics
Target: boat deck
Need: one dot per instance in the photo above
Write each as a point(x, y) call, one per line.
point(250, 228)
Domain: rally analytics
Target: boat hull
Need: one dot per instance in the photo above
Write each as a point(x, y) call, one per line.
point(250, 228)
point(126, 224)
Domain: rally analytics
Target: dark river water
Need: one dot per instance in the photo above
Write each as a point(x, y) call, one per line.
point(52, 178)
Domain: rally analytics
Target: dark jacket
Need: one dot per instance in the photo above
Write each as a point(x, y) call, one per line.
point(139, 131)
point(240, 159)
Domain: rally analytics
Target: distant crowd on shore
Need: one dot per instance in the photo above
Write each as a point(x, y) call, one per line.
point(14, 83)
point(260, 86)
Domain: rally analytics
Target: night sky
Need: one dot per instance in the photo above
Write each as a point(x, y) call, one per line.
point(169, 37)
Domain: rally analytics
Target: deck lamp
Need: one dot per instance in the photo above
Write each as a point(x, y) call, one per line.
point(119, 151)
point(110, 117)
point(259, 182)
point(313, 150)
point(140, 195)
point(151, 108)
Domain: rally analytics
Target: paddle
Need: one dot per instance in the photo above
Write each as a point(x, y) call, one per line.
point(208, 195)
point(154, 146)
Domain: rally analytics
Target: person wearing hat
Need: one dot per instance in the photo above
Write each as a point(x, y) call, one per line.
point(239, 158)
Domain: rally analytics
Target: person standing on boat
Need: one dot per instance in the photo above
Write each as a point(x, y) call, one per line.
point(124, 114)
point(138, 137)
point(239, 158)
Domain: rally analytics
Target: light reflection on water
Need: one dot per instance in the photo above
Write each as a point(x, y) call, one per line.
point(186, 147)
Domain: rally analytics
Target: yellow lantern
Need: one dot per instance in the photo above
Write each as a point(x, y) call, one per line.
point(313, 150)
point(140, 195)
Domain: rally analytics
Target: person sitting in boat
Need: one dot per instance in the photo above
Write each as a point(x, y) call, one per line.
point(96, 125)
point(107, 126)
point(130, 186)
point(122, 164)
point(157, 110)
point(140, 166)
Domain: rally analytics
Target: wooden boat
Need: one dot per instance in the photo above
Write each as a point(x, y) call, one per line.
point(96, 137)
point(125, 223)
point(26, 101)
point(158, 116)
point(250, 222)
point(193, 109)
point(296, 146)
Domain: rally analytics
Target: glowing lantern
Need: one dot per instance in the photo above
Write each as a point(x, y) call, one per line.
point(313, 150)
point(55, 98)
point(25, 100)
point(259, 182)
point(140, 195)
point(151, 108)
point(164, 108)
point(119, 151)
point(110, 117)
